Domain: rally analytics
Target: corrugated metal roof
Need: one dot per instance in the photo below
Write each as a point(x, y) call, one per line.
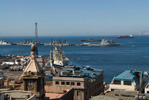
point(104, 97)
point(127, 75)
point(84, 72)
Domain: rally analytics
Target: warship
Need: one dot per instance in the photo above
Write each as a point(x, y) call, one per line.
point(103, 43)
point(29, 42)
point(4, 42)
point(59, 43)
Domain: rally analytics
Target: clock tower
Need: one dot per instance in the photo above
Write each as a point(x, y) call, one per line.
point(33, 76)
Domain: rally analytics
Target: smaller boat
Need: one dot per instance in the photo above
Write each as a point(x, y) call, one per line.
point(126, 36)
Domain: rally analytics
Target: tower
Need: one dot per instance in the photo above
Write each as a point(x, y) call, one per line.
point(36, 33)
point(33, 76)
point(36, 36)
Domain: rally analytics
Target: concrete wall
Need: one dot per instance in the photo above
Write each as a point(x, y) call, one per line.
point(59, 88)
point(68, 96)
point(95, 88)
point(79, 94)
point(121, 86)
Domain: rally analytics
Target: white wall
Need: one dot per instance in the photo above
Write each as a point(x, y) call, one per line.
point(146, 89)
point(125, 87)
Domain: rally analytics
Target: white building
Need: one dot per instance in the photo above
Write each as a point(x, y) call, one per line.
point(128, 80)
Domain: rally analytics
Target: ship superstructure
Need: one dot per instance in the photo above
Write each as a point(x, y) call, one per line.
point(57, 57)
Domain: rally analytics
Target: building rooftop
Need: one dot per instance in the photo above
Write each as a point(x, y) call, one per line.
point(73, 71)
point(104, 97)
point(111, 94)
point(127, 75)
point(53, 95)
point(18, 94)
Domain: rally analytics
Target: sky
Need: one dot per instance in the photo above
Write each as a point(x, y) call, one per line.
point(73, 17)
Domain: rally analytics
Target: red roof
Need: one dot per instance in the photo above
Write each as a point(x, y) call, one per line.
point(53, 95)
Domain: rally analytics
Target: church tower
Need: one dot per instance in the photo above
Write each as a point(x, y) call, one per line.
point(33, 76)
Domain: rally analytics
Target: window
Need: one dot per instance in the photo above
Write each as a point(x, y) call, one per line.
point(78, 84)
point(116, 82)
point(62, 83)
point(30, 85)
point(72, 83)
point(57, 82)
point(64, 91)
point(112, 89)
point(38, 85)
point(127, 82)
point(78, 93)
point(67, 83)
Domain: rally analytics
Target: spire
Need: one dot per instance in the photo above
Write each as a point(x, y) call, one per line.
point(33, 68)
point(33, 50)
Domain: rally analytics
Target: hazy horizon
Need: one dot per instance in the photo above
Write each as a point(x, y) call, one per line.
point(74, 18)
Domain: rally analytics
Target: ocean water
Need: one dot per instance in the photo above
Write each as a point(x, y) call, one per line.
point(133, 54)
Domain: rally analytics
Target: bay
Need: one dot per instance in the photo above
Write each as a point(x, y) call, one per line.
point(133, 54)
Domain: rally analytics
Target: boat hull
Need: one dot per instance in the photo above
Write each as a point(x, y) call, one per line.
point(105, 45)
point(58, 66)
point(125, 37)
